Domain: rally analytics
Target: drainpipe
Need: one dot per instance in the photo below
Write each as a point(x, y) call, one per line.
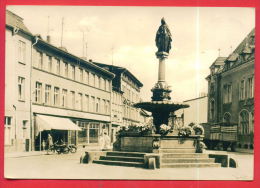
point(31, 113)
point(15, 131)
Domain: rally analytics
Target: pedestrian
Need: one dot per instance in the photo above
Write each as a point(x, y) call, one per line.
point(105, 142)
point(43, 145)
point(49, 142)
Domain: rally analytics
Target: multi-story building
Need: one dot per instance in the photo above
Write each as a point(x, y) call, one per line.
point(67, 87)
point(231, 90)
point(48, 88)
point(17, 83)
point(126, 92)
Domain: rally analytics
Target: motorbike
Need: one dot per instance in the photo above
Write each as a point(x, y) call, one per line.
point(62, 148)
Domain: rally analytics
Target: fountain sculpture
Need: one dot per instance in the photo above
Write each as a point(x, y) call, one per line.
point(156, 149)
point(161, 105)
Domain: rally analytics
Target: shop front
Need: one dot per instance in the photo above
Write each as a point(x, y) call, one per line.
point(61, 130)
point(91, 132)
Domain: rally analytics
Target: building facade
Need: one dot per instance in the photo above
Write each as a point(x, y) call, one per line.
point(231, 90)
point(66, 86)
point(17, 83)
point(126, 92)
point(197, 112)
point(46, 85)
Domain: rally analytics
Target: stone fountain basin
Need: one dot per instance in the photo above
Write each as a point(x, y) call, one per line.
point(156, 143)
point(168, 106)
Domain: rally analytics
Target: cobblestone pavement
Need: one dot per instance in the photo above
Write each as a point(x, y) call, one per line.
point(67, 166)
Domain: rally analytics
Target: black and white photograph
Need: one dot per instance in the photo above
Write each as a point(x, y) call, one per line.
point(129, 93)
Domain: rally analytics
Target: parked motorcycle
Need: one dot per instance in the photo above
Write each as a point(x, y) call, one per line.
point(62, 148)
point(59, 148)
point(72, 148)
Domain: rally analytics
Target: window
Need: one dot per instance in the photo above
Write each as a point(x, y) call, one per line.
point(21, 52)
point(72, 72)
point(212, 109)
point(244, 123)
point(64, 98)
point(92, 79)
point(72, 101)
point(21, 88)
point(39, 61)
point(8, 120)
point(7, 133)
point(25, 125)
point(86, 106)
point(227, 98)
point(48, 94)
point(96, 81)
point(227, 117)
point(250, 89)
point(107, 85)
point(108, 106)
point(242, 90)
point(58, 66)
point(38, 92)
point(103, 110)
point(98, 105)
point(102, 84)
point(49, 58)
point(81, 75)
point(87, 77)
point(66, 69)
point(92, 106)
point(80, 101)
point(56, 101)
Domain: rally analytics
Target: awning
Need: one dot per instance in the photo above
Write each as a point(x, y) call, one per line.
point(50, 122)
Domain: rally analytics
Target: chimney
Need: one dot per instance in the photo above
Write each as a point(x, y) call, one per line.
point(90, 60)
point(48, 38)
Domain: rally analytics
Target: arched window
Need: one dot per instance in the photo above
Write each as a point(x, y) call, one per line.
point(212, 109)
point(252, 122)
point(244, 122)
point(227, 117)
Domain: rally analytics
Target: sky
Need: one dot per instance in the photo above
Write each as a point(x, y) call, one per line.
point(125, 36)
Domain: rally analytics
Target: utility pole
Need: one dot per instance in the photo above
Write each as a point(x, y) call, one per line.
point(219, 52)
point(83, 46)
point(62, 23)
point(86, 51)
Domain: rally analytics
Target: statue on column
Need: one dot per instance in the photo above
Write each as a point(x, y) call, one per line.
point(163, 37)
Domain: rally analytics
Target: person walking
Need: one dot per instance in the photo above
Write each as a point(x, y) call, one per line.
point(105, 142)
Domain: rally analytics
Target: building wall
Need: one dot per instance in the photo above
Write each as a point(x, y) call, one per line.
point(17, 108)
point(197, 112)
point(82, 94)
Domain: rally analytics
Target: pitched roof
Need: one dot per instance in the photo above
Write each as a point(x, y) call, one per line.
point(16, 21)
point(120, 70)
point(219, 61)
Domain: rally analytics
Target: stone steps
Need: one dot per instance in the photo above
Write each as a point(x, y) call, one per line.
point(190, 165)
point(126, 154)
point(184, 155)
point(179, 150)
point(120, 158)
point(187, 160)
point(120, 163)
